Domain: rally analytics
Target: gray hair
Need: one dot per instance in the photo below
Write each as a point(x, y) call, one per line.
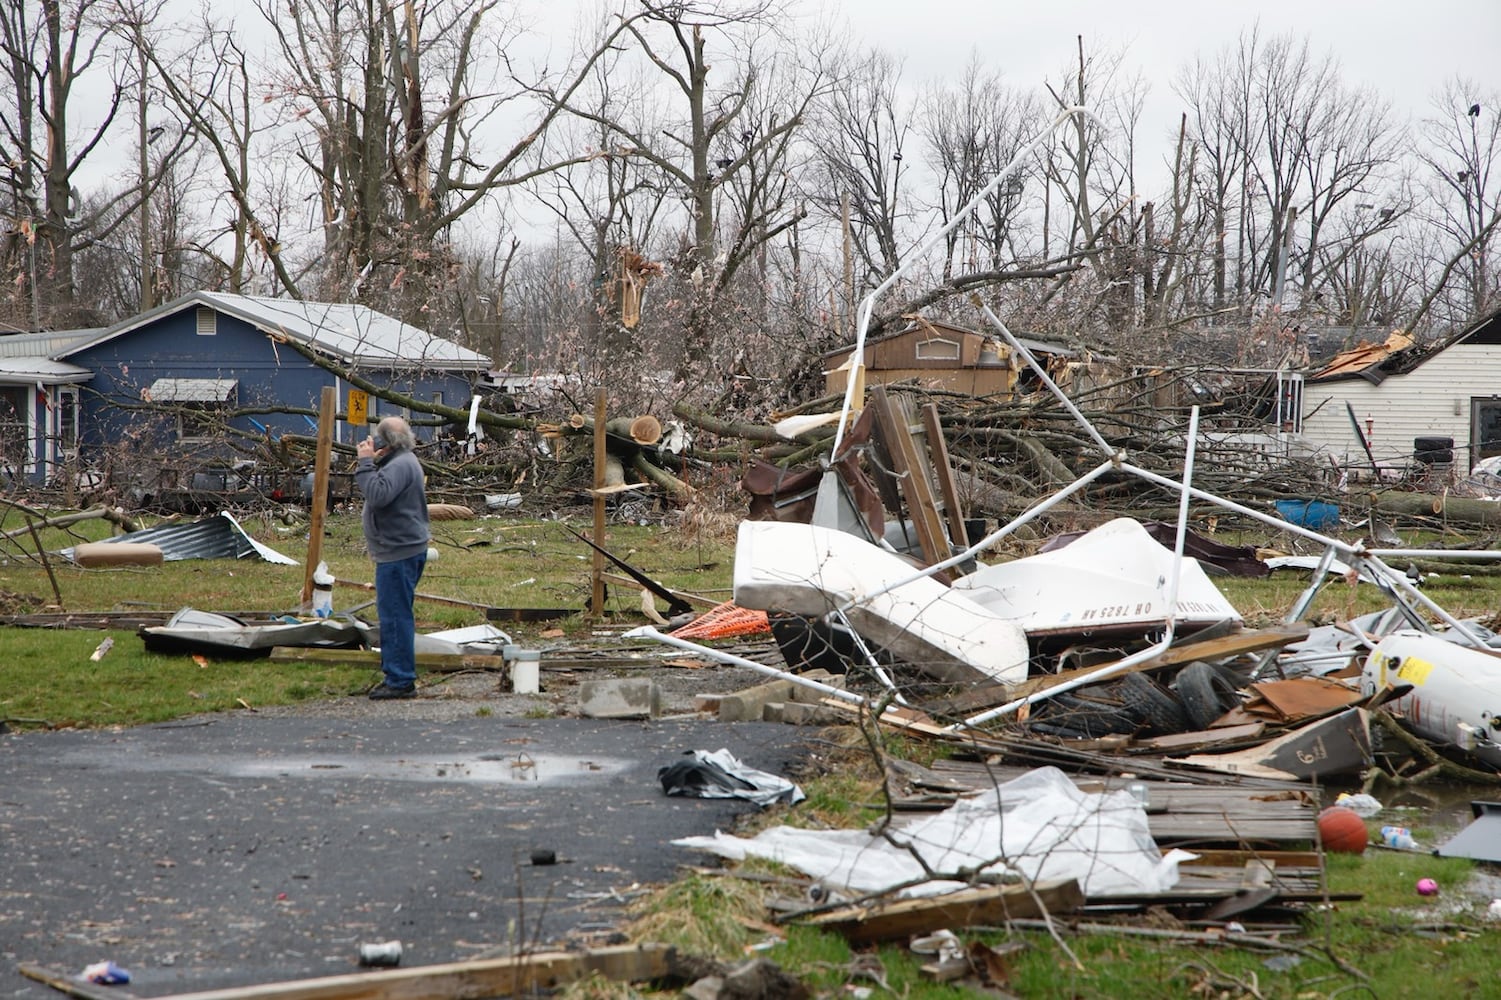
point(398, 434)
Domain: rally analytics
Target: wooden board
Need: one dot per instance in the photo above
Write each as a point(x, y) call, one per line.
point(1210, 650)
point(895, 429)
point(970, 907)
point(435, 662)
point(464, 980)
point(73, 985)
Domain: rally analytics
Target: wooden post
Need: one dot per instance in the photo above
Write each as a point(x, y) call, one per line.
point(328, 411)
point(596, 602)
point(597, 593)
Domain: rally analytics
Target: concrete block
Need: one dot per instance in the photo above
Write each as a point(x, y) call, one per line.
point(747, 705)
point(620, 698)
point(707, 702)
point(772, 711)
point(797, 714)
point(809, 696)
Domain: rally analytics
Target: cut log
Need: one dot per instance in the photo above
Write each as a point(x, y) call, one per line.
point(92, 554)
point(1462, 510)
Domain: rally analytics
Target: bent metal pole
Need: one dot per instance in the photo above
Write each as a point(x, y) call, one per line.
point(867, 304)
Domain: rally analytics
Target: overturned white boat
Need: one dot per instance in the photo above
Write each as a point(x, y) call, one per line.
point(808, 570)
point(1456, 690)
point(1111, 579)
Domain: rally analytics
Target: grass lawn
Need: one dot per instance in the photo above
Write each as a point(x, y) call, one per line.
point(1392, 943)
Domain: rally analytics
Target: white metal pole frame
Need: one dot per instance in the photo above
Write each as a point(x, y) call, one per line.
point(1357, 554)
point(650, 632)
point(1161, 645)
point(867, 304)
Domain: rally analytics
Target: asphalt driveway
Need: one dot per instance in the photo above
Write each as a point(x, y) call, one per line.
point(242, 849)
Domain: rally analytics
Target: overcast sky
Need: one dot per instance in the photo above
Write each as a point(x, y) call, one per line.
point(1403, 48)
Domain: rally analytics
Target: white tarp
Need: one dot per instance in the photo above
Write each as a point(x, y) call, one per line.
point(1038, 825)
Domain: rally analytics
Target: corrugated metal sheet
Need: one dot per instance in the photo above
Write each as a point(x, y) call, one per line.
point(350, 331)
point(216, 537)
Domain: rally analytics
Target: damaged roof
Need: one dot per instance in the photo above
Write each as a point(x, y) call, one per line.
point(346, 331)
point(1400, 353)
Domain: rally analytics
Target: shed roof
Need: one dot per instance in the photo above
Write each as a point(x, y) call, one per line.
point(345, 331)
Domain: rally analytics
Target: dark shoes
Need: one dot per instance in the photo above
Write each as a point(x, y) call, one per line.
point(384, 692)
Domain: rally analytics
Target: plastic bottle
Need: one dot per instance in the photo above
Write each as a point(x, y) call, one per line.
point(1399, 837)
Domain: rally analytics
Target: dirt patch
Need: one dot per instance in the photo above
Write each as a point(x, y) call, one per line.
point(679, 677)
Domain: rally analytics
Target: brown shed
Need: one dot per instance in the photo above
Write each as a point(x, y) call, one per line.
point(937, 355)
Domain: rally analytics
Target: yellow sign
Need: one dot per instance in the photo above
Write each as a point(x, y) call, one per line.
point(359, 408)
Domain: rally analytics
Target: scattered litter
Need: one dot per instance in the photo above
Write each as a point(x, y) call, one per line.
point(719, 775)
point(1282, 963)
point(1361, 804)
point(945, 944)
point(323, 591)
point(1038, 826)
point(1399, 838)
point(105, 974)
point(1427, 887)
point(102, 650)
point(1493, 912)
point(381, 954)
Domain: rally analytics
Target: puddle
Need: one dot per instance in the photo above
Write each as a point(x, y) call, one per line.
point(513, 769)
point(516, 768)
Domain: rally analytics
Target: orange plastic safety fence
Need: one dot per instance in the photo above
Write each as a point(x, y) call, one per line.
point(724, 621)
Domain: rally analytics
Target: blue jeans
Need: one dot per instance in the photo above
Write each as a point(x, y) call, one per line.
point(395, 590)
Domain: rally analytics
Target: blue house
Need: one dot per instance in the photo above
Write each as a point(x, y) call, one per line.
point(39, 403)
point(156, 385)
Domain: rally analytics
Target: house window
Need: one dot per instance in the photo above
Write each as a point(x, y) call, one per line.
point(208, 321)
point(67, 420)
point(937, 349)
point(199, 404)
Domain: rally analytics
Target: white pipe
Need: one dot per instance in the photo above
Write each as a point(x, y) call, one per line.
point(987, 541)
point(1156, 648)
point(867, 304)
point(1068, 404)
point(650, 632)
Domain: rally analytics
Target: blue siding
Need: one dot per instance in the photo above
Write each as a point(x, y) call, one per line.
point(269, 375)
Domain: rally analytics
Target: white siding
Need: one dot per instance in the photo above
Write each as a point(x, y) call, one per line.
point(1421, 403)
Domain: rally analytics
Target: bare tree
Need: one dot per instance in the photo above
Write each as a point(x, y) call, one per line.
point(49, 50)
point(860, 131)
point(737, 131)
point(970, 131)
point(1462, 154)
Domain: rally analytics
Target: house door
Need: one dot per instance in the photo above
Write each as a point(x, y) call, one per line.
point(1485, 428)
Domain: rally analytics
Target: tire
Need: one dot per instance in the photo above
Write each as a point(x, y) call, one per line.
point(1087, 717)
point(1205, 692)
point(1158, 709)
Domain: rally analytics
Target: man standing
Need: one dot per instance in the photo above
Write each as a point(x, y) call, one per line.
point(389, 477)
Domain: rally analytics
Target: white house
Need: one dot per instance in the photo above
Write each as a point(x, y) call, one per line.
point(1409, 401)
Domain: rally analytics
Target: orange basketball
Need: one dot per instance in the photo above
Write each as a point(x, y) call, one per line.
point(1343, 831)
